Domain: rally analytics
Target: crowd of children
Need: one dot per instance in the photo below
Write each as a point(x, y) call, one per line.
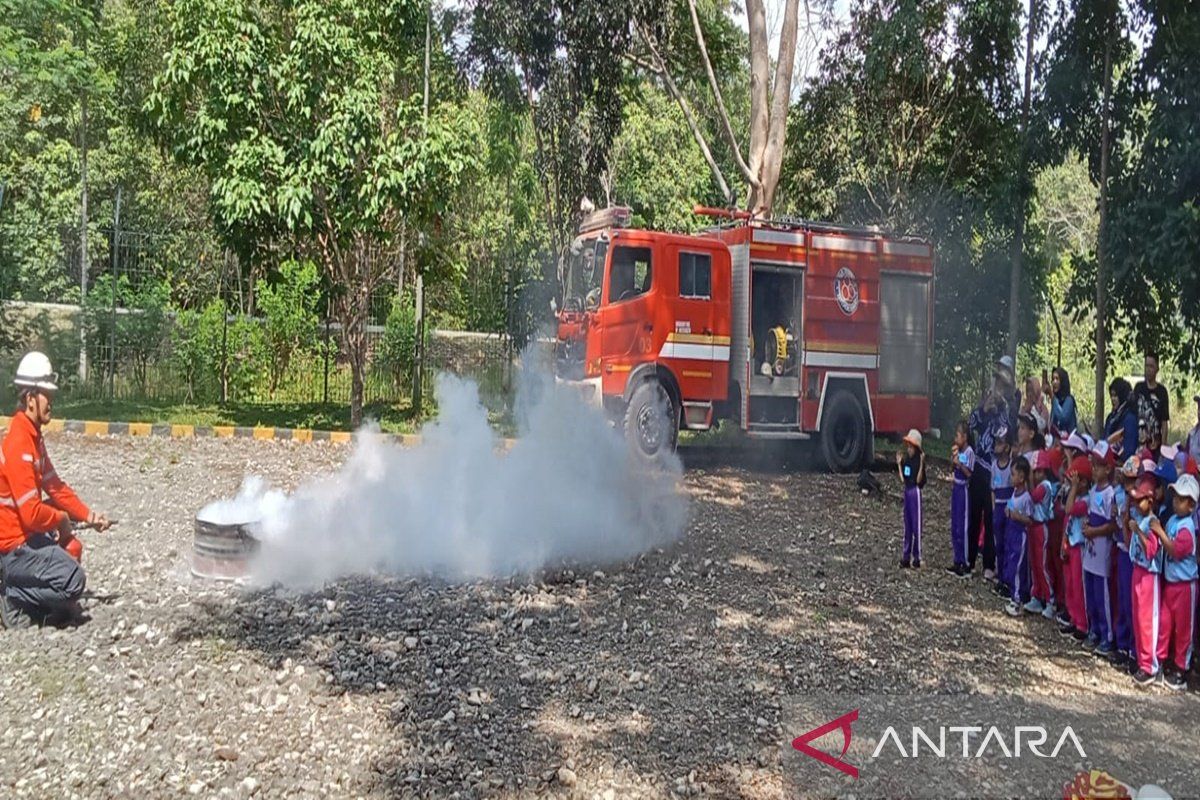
point(1105, 549)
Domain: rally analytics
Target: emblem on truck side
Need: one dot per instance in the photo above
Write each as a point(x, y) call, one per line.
point(845, 290)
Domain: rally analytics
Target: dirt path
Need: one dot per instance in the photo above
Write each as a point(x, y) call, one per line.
point(665, 676)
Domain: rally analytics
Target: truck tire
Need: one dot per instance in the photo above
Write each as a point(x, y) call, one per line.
point(651, 422)
point(844, 434)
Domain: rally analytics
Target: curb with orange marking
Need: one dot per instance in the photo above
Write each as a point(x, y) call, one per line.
point(176, 431)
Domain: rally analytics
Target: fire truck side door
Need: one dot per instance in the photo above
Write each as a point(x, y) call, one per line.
point(691, 339)
point(625, 317)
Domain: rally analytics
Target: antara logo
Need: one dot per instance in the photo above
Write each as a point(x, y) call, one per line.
point(976, 742)
point(843, 722)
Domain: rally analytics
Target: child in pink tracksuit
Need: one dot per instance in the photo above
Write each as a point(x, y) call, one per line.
point(1146, 555)
point(1042, 588)
point(1080, 476)
point(1179, 574)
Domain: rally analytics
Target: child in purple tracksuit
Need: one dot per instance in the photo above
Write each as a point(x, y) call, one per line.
point(1097, 552)
point(1019, 513)
point(911, 464)
point(1123, 650)
point(963, 457)
point(1001, 492)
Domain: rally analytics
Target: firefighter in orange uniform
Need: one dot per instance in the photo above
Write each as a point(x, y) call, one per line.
point(42, 578)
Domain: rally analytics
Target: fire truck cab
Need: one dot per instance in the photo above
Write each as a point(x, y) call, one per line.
point(788, 328)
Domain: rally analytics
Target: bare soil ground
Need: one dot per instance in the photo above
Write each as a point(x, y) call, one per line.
point(666, 676)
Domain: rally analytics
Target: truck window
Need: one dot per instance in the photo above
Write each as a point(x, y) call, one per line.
point(695, 275)
point(631, 273)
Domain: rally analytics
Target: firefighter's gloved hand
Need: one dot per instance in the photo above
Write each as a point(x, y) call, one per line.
point(99, 522)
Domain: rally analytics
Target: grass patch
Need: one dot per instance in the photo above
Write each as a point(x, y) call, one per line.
point(397, 418)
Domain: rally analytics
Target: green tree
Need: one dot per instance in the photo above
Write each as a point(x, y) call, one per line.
point(655, 166)
point(1089, 49)
point(911, 125)
point(307, 119)
point(1154, 240)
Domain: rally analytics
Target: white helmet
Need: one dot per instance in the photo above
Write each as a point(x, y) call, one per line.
point(35, 372)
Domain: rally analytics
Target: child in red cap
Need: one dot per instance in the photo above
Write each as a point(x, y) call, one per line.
point(1080, 476)
point(1146, 555)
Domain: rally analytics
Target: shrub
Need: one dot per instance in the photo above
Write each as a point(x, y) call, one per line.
point(289, 308)
point(135, 333)
point(395, 353)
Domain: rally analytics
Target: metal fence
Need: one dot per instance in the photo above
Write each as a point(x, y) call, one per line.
point(169, 318)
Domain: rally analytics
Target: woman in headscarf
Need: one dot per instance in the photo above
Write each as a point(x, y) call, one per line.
point(1121, 425)
point(1063, 418)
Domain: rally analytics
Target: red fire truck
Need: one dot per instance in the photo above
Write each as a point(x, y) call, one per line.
point(788, 328)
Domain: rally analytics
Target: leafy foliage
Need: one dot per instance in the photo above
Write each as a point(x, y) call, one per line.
point(306, 119)
point(289, 309)
point(138, 329)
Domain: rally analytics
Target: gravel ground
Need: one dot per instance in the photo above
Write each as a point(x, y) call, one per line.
point(666, 676)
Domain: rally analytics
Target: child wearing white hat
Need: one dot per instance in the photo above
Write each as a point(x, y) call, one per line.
point(1177, 616)
point(911, 464)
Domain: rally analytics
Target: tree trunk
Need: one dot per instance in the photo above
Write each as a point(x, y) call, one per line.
point(354, 310)
point(1018, 243)
point(781, 100)
point(760, 77)
point(1102, 266)
point(356, 346)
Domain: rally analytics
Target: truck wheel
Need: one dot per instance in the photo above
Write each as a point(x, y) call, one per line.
point(843, 432)
point(651, 421)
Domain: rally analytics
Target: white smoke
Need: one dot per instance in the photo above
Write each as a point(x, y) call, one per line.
point(457, 507)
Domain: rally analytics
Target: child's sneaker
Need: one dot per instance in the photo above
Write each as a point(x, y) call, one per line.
point(989, 575)
point(964, 571)
point(916, 563)
point(1091, 642)
point(1103, 650)
point(1034, 606)
point(1067, 631)
point(1064, 619)
point(1012, 609)
point(904, 564)
point(1143, 678)
point(1119, 659)
point(1048, 611)
point(1173, 679)
point(1003, 589)
point(955, 569)
point(1078, 635)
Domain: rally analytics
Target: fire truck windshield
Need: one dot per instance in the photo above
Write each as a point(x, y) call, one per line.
point(585, 273)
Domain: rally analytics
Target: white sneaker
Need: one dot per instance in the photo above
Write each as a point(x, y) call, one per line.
point(989, 575)
point(1012, 609)
point(1049, 611)
point(1034, 606)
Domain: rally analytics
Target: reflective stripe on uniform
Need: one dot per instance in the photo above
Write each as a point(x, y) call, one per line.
point(7, 501)
point(25, 498)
